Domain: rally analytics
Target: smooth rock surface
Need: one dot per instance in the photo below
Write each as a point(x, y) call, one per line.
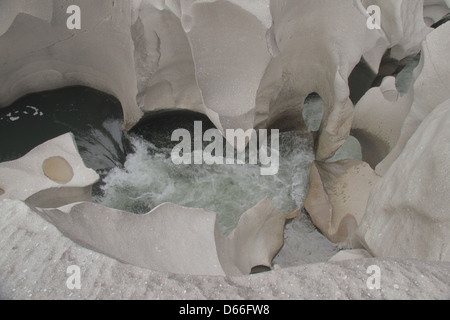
point(307, 47)
point(175, 239)
point(397, 14)
point(43, 54)
point(378, 121)
point(408, 214)
point(58, 170)
point(51, 175)
point(244, 65)
point(431, 88)
point(249, 65)
point(164, 65)
point(434, 10)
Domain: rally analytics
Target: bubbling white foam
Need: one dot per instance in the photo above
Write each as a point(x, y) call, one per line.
point(149, 178)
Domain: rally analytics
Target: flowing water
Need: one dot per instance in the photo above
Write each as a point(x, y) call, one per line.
point(149, 178)
point(137, 173)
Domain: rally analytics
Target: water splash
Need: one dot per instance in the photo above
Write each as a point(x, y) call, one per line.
point(149, 178)
point(138, 174)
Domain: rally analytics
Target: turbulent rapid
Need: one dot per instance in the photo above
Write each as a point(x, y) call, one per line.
point(149, 178)
point(137, 173)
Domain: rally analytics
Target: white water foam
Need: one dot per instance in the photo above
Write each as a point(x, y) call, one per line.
point(149, 178)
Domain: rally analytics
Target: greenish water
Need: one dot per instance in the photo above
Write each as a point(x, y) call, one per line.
point(149, 178)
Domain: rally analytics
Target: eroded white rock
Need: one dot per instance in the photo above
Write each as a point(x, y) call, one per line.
point(53, 181)
point(408, 210)
point(174, 239)
point(244, 64)
point(164, 66)
point(378, 120)
point(43, 54)
point(431, 88)
point(434, 10)
point(51, 175)
point(298, 47)
point(308, 46)
point(395, 16)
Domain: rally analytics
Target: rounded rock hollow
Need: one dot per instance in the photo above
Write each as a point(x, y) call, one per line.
point(58, 170)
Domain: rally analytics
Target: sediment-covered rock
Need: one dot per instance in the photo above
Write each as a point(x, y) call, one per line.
point(337, 198)
point(35, 259)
